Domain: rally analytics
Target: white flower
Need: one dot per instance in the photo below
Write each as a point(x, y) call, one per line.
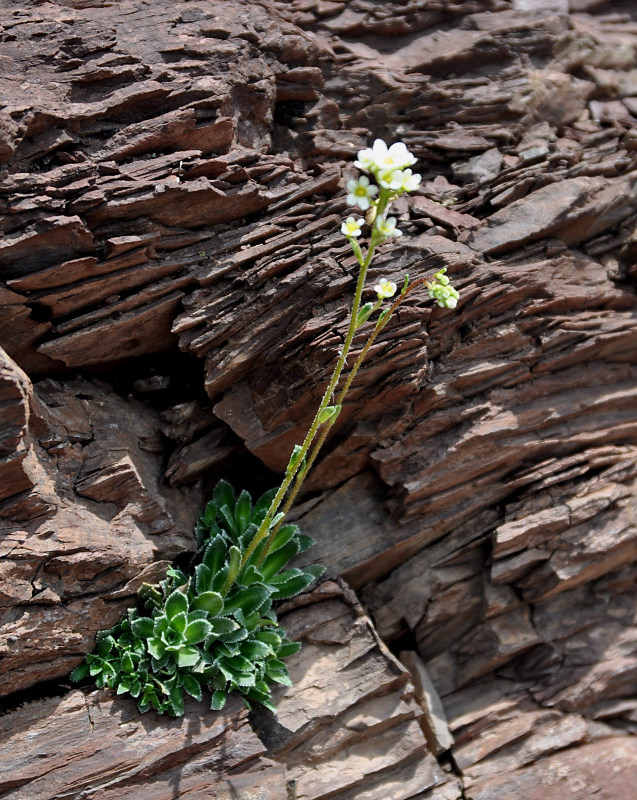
point(399, 180)
point(365, 159)
point(360, 192)
point(385, 289)
point(395, 157)
point(352, 227)
point(387, 227)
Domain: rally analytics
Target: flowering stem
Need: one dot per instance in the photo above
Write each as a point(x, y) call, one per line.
point(264, 528)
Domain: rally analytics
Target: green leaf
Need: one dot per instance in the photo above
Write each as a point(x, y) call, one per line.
point(191, 685)
point(316, 570)
point(230, 524)
point(234, 563)
point(250, 575)
point(176, 603)
point(197, 631)
point(235, 636)
point(123, 686)
point(288, 649)
point(262, 505)
point(187, 657)
point(262, 697)
point(218, 580)
point(243, 512)
point(177, 701)
point(244, 678)
point(254, 649)
point(203, 578)
point(282, 577)
point(269, 637)
point(275, 561)
point(283, 536)
point(222, 625)
point(135, 688)
point(179, 622)
point(364, 313)
point(156, 648)
point(80, 672)
point(294, 458)
point(143, 627)
point(210, 513)
point(224, 495)
point(327, 413)
point(127, 663)
point(215, 554)
point(248, 599)
point(218, 700)
point(105, 644)
point(237, 663)
point(212, 602)
point(304, 542)
point(292, 587)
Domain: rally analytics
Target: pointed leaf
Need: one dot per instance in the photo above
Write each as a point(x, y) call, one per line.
point(292, 587)
point(179, 622)
point(224, 495)
point(275, 561)
point(156, 648)
point(304, 542)
point(250, 575)
point(80, 672)
point(283, 536)
point(191, 685)
point(228, 522)
point(234, 563)
point(215, 554)
point(105, 644)
point(288, 649)
point(203, 578)
point(248, 599)
point(212, 602)
point(218, 700)
point(262, 505)
point(243, 511)
point(176, 603)
point(218, 580)
point(282, 577)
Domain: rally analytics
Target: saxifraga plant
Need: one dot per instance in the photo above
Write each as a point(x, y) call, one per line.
point(214, 628)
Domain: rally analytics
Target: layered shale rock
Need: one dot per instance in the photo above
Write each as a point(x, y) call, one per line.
point(175, 287)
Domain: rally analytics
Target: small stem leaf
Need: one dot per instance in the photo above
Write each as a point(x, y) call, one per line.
point(327, 413)
point(294, 458)
point(364, 314)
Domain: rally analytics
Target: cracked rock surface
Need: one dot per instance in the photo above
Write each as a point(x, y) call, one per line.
point(173, 293)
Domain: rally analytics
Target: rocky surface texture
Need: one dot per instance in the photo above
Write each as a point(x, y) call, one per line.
point(173, 292)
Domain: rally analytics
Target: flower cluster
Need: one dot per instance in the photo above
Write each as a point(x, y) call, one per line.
point(442, 291)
